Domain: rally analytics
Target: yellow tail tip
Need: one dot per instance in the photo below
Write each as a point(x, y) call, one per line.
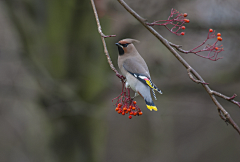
point(152, 108)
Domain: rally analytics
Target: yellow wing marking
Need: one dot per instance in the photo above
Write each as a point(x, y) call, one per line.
point(149, 84)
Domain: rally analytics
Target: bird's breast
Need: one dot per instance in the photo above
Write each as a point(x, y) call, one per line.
point(132, 81)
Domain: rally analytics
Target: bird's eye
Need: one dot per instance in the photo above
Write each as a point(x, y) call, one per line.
point(125, 45)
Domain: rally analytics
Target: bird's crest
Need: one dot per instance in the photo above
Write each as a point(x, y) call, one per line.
point(128, 40)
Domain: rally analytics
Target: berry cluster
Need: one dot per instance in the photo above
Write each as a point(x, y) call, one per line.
point(213, 50)
point(218, 35)
point(125, 104)
point(133, 109)
point(176, 20)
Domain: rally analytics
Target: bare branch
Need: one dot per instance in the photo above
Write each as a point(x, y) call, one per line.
point(193, 79)
point(230, 99)
point(222, 112)
point(103, 36)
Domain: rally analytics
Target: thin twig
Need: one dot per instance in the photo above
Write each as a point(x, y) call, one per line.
point(230, 99)
point(193, 79)
point(227, 118)
point(103, 36)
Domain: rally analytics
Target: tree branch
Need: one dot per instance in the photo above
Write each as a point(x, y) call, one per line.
point(210, 48)
point(222, 112)
point(103, 36)
point(193, 79)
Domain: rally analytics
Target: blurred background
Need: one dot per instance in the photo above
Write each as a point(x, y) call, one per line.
point(57, 87)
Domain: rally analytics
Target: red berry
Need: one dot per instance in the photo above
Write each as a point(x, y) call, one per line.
point(219, 34)
point(123, 113)
point(131, 113)
point(135, 113)
point(186, 20)
point(133, 108)
point(216, 48)
point(185, 14)
point(182, 33)
point(117, 109)
point(140, 113)
point(130, 117)
point(126, 112)
point(124, 109)
point(183, 27)
point(210, 30)
point(134, 102)
point(128, 109)
point(219, 38)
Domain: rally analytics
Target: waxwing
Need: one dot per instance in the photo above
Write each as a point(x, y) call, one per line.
point(135, 69)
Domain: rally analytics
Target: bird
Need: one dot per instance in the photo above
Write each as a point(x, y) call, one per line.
point(135, 70)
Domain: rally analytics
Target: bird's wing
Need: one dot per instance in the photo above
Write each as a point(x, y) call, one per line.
point(140, 73)
point(136, 66)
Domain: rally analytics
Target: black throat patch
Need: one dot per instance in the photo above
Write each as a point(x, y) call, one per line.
point(120, 50)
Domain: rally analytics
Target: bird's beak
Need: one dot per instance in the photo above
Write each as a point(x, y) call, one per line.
point(119, 45)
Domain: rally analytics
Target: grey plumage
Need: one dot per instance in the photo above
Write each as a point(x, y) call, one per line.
point(135, 69)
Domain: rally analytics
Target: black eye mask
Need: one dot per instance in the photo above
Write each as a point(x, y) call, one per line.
point(120, 47)
point(125, 45)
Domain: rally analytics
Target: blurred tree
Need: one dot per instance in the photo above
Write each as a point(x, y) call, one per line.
point(63, 53)
point(60, 49)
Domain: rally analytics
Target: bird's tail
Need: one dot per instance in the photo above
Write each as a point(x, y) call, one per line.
point(155, 88)
point(150, 105)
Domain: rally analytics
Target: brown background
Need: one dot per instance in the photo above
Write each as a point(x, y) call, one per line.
point(56, 85)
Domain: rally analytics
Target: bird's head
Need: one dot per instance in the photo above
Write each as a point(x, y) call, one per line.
point(126, 46)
